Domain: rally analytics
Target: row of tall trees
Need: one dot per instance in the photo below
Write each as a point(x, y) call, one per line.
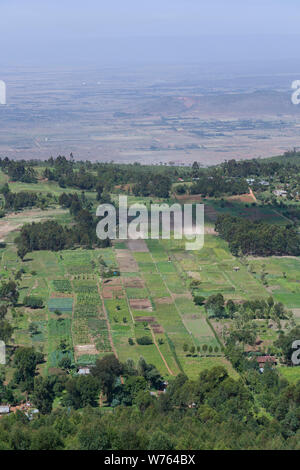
point(258, 238)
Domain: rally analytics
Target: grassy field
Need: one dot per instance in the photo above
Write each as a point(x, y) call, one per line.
point(99, 316)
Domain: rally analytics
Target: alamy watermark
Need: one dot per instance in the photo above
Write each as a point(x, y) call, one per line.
point(161, 221)
point(2, 353)
point(2, 92)
point(296, 354)
point(296, 95)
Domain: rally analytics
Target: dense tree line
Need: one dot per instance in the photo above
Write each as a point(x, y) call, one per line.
point(261, 168)
point(216, 306)
point(258, 238)
point(20, 200)
point(18, 171)
point(153, 185)
point(217, 185)
point(53, 236)
point(213, 411)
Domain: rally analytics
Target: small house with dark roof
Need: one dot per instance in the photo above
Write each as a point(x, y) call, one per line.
point(263, 360)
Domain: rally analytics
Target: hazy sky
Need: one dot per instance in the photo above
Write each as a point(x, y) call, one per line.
point(117, 31)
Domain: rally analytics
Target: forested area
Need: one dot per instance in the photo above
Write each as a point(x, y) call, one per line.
point(264, 168)
point(258, 238)
point(18, 170)
point(54, 236)
point(216, 186)
point(212, 412)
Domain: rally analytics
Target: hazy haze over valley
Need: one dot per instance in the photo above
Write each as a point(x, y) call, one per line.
point(155, 83)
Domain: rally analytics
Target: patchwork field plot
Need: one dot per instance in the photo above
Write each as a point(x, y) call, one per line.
point(126, 261)
point(62, 285)
point(62, 304)
point(158, 282)
point(140, 304)
point(282, 277)
point(151, 297)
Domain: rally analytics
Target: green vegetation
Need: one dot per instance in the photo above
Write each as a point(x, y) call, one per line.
point(138, 317)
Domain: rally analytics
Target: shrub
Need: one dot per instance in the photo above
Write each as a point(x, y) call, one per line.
point(33, 302)
point(199, 300)
point(144, 341)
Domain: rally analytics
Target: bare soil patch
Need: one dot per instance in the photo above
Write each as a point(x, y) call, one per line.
point(164, 300)
point(139, 246)
point(141, 304)
point(209, 231)
point(146, 319)
point(112, 281)
point(194, 275)
point(82, 349)
point(113, 292)
point(157, 329)
point(189, 197)
point(133, 282)
point(210, 213)
point(296, 312)
point(182, 296)
point(6, 228)
point(126, 261)
point(60, 295)
point(246, 198)
point(152, 321)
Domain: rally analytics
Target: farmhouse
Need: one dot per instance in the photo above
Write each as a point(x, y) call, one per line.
point(262, 360)
point(84, 371)
point(4, 409)
point(280, 192)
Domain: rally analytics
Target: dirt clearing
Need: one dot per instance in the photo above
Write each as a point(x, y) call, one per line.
point(139, 246)
point(133, 282)
point(126, 261)
point(141, 304)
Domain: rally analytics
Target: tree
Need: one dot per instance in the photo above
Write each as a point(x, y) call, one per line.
point(33, 329)
point(33, 302)
point(43, 394)
point(231, 308)
point(199, 299)
point(3, 311)
point(82, 391)
point(26, 360)
point(46, 439)
point(160, 441)
point(106, 371)
point(195, 170)
point(9, 292)
point(65, 363)
point(6, 331)
point(215, 305)
point(144, 340)
point(94, 437)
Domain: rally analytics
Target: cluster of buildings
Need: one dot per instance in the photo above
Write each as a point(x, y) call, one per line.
point(25, 407)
